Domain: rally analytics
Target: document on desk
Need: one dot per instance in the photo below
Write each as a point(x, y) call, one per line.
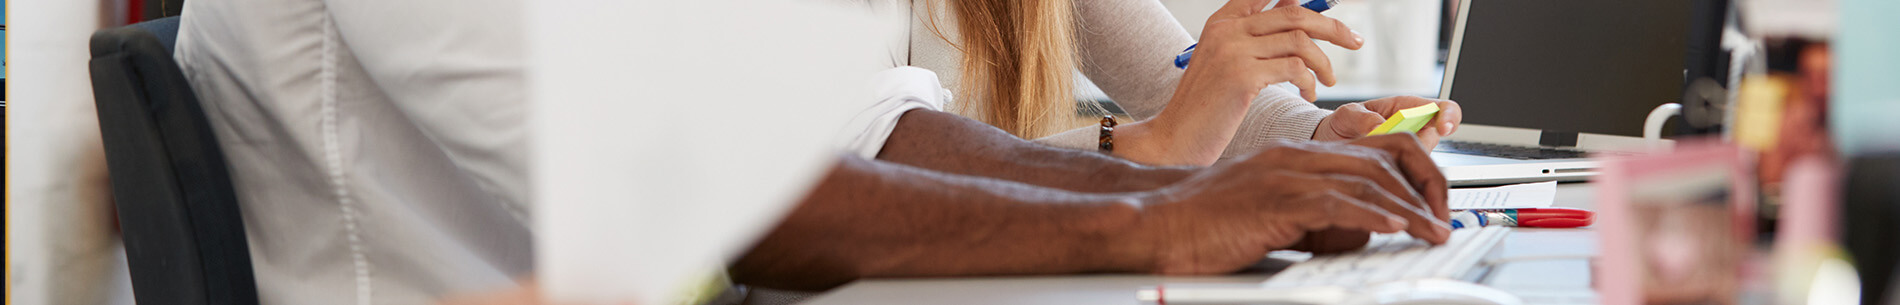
point(1515, 196)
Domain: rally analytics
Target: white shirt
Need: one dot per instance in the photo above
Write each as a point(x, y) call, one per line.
point(377, 147)
point(380, 149)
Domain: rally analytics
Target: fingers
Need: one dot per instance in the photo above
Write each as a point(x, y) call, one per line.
point(1287, 69)
point(1352, 189)
point(1296, 44)
point(1393, 104)
point(1332, 241)
point(1286, 19)
point(1337, 210)
point(1449, 117)
point(1419, 221)
point(1361, 163)
point(1417, 167)
point(1353, 120)
point(1428, 138)
point(1239, 8)
point(1447, 120)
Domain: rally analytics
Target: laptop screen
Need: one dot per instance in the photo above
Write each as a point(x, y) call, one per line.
point(1591, 66)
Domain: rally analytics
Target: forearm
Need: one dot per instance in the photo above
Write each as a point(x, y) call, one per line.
point(1126, 47)
point(1274, 114)
point(952, 144)
point(876, 219)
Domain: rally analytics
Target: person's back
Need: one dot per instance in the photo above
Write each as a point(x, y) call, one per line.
point(377, 146)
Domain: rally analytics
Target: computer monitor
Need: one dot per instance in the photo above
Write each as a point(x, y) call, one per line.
point(1567, 66)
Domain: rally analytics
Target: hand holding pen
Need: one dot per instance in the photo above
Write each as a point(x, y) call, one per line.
point(1317, 6)
point(1260, 48)
point(1242, 51)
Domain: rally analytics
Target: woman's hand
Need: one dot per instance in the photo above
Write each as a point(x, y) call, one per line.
point(1354, 120)
point(1242, 51)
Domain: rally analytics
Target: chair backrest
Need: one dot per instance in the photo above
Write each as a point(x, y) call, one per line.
point(178, 213)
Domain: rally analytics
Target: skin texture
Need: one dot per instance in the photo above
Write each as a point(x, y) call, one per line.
point(1354, 120)
point(870, 218)
point(901, 218)
point(949, 196)
point(951, 144)
point(1242, 50)
point(948, 143)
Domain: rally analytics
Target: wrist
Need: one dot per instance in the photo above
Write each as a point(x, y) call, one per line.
point(1191, 130)
point(1129, 176)
point(1132, 142)
point(1321, 132)
point(1150, 178)
point(1130, 245)
point(1158, 142)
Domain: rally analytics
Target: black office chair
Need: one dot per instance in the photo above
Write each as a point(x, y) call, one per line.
point(184, 237)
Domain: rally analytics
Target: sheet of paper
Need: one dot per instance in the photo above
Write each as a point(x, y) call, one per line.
point(1515, 196)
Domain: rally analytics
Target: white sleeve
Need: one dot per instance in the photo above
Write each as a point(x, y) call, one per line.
point(899, 90)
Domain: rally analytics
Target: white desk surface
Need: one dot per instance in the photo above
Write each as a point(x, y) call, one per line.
point(1556, 281)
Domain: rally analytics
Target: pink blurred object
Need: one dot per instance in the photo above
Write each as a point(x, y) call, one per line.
point(1681, 220)
point(1808, 205)
point(1807, 238)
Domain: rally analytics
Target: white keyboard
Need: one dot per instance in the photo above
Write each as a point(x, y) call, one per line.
point(1392, 257)
point(1337, 278)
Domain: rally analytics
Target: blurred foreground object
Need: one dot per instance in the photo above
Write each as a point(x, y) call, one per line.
point(1866, 112)
point(1814, 19)
point(1872, 216)
point(1809, 265)
point(665, 148)
point(1865, 121)
point(1681, 220)
point(63, 247)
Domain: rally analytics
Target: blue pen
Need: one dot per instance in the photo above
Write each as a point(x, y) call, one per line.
point(1318, 6)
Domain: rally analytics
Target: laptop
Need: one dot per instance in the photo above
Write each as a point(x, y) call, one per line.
point(1546, 83)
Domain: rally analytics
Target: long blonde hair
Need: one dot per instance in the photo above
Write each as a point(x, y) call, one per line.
point(1018, 63)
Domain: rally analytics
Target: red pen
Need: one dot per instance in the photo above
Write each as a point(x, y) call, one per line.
point(1534, 218)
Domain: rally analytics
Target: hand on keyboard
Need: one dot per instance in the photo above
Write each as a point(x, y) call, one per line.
point(1392, 257)
point(1228, 216)
point(1391, 269)
point(1332, 241)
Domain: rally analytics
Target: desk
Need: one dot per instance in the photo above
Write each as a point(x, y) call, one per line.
point(1563, 281)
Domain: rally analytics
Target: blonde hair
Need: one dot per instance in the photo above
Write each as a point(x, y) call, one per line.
point(1018, 63)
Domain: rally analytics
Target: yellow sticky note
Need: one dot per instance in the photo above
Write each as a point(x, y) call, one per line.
point(1408, 120)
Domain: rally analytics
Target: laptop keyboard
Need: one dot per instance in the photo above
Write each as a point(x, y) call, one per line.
point(1508, 151)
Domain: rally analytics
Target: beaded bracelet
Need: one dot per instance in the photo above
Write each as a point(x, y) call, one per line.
point(1107, 141)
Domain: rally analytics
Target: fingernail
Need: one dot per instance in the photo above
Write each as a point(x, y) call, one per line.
point(1442, 230)
point(1358, 39)
point(1394, 222)
point(1444, 129)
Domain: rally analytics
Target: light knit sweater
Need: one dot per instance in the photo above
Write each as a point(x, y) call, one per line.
point(1127, 48)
